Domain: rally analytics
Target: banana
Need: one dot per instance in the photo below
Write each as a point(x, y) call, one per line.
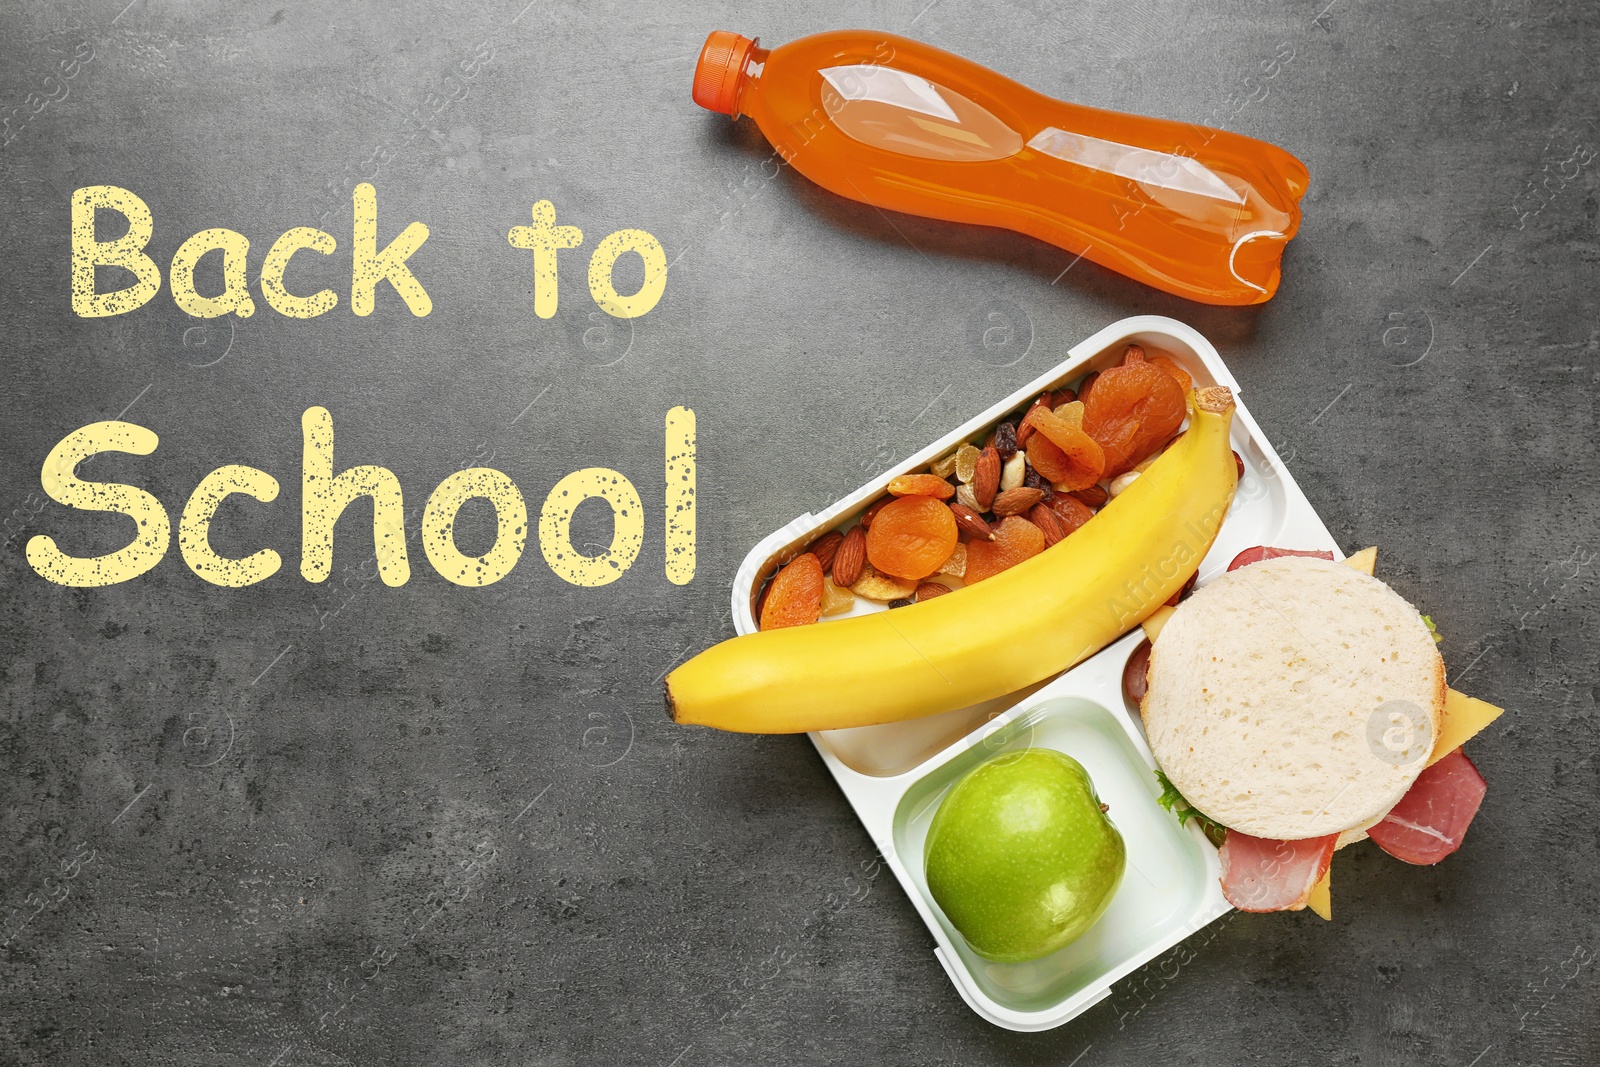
point(996, 637)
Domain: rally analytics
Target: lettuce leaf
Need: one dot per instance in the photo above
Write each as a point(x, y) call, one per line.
point(1173, 801)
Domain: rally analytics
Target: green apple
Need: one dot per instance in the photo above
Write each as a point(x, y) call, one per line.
point(1021, 856)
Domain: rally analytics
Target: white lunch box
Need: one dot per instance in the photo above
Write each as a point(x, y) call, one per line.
point(895, 775)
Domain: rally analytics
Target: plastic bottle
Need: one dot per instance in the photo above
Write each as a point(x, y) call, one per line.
point(1199, 212)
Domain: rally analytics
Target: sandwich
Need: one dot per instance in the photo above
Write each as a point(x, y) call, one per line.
point(1296, 705)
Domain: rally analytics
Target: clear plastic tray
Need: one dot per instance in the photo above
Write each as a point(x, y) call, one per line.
point(895, 775)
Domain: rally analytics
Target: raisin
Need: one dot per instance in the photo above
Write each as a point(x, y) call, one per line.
point(1005, 440)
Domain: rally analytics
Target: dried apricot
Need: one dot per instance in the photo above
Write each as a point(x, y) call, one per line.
point(921, 485)
point(1184, 379)
point(795, 596)
point(911, 537)
point(1062, 452)
point(1015, 539)
point(1130, 411)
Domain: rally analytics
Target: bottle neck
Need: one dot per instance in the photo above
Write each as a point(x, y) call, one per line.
point(749, 78)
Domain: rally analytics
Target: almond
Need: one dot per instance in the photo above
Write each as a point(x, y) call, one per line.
point(986, 477)
point(872, 512)
point(825, 547)
point(1094, 496)
point(929, 590)
point(1049, 523)
point(849, 557)
point(971, 523)
point(1025, 428)
point(1016, 501)
point(967, 498)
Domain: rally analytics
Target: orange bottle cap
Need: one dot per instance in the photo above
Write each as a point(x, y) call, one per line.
point(721, 66)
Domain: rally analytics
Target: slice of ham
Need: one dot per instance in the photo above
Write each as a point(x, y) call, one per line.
point(1263, 552)
point(1259, 874)
point(1432, 818)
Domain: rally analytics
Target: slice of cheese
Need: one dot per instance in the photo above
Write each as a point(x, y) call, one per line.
point(1158, 619)
point(1463, 717)
point(1364, 561)
point(1321, 898)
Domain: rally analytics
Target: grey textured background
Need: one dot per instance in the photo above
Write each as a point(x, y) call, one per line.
point(279, 786)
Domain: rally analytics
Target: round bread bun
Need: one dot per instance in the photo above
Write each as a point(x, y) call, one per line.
point(1294, 698)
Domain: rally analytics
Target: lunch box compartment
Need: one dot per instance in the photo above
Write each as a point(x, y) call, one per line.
point(1167, 879)
point(895, 774)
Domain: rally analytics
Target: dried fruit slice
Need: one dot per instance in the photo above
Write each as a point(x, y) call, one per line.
point(921, 485)
point(967, 463)
point(943, 467)
point(911, 537)
point(1130, 411)
point(1015, 539)
point(1062, 452)
point(836, 601)
point(881, 587)
point(956, 565)
point(795, 597)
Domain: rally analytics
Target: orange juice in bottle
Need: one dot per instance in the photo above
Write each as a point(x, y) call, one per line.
point(891, 122)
